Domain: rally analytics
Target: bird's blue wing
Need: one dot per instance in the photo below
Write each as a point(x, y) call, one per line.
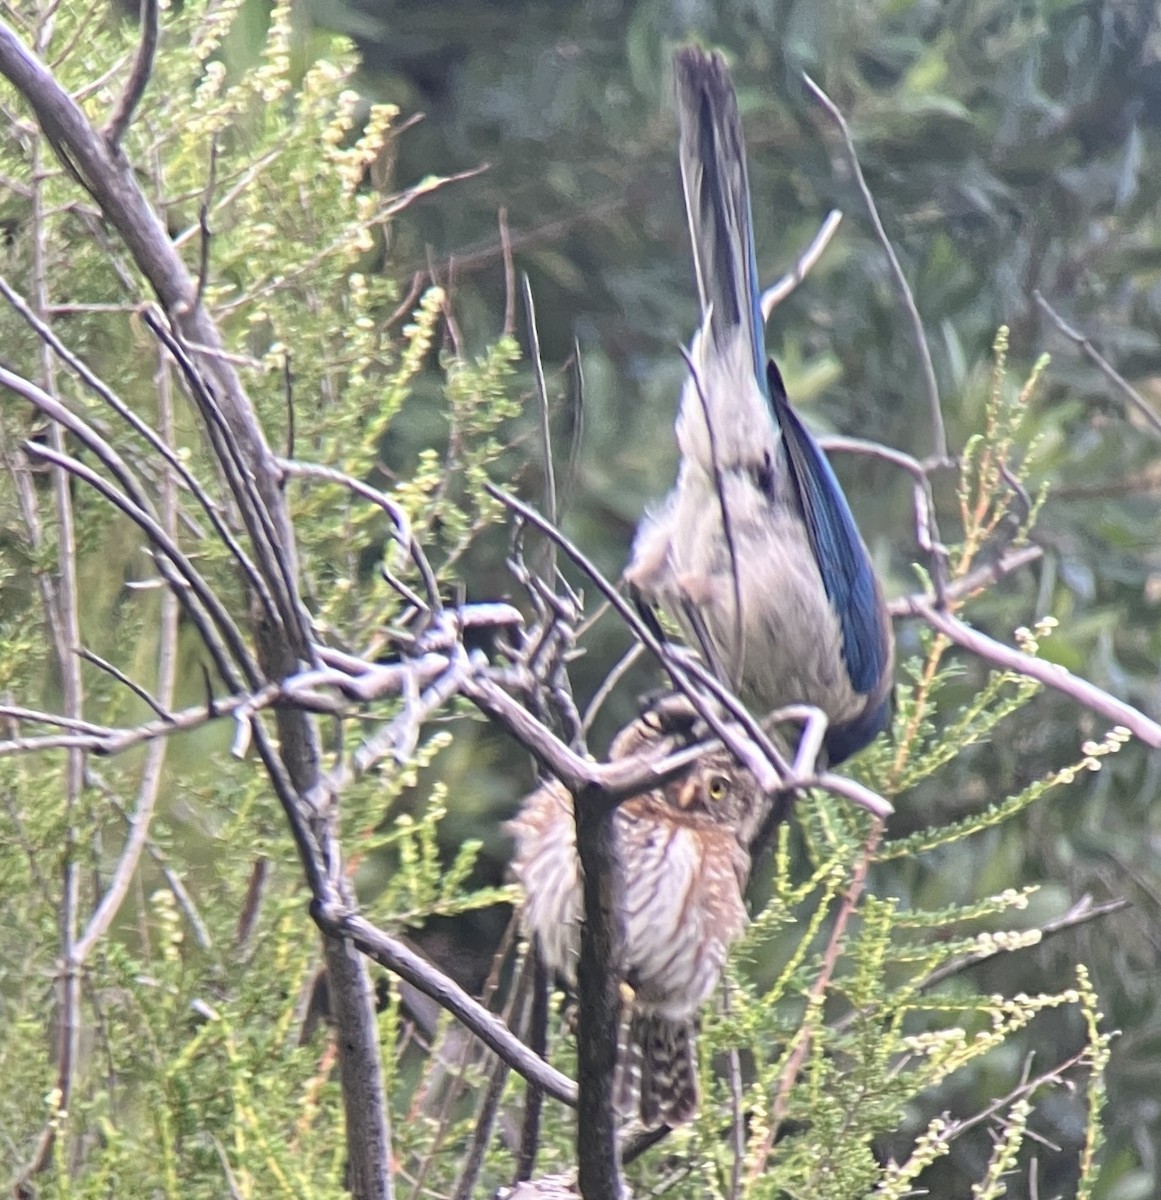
point(846, 570)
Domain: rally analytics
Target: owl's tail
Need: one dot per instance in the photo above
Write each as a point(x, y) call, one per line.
point(661, 1067)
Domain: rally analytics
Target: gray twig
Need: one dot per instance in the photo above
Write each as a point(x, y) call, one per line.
point(1122, 385)
point(138, 79)
point(938, 431)
point(392, 954)
point(1050, 674)
point(777, 292)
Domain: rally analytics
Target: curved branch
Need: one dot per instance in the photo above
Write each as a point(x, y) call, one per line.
point(1050, 674)
point(777, 292)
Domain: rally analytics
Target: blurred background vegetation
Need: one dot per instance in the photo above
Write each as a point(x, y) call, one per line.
point(1011, 146)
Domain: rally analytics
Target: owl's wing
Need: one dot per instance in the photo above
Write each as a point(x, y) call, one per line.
point(546, 866)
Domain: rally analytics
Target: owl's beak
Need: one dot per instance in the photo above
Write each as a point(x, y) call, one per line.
point(687, 793)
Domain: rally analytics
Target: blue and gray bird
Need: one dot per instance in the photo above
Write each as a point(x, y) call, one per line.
point(755, 552)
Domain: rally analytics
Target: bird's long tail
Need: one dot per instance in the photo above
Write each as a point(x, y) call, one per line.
point(666, 1069)
point(717, 201)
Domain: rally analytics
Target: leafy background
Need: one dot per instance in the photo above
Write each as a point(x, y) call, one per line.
point(1010, 148)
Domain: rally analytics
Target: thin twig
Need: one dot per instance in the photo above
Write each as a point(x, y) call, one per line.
point(119, 675)
point(1026, 1088)
point(777, 292)
point(204, 225)
point(509, 326)
point(976, 580)
point(65, 623)
point(538, 1043)
point(138, 79)
point(1081, 913)
point(1050, 674)
point(615, 675)
point(938, 431)
point(142, 428)
point(15, 713)
point(172, 879)
point(543, 408)
point(151, 775)
point(183, 571)
point(1081, 341)
point(381, 500)
point(490, 1102)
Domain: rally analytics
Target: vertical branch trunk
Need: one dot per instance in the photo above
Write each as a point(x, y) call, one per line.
point(599, 999)
point(538, 1044)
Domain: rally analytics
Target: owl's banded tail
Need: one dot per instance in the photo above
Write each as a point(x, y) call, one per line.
point(660, 1066)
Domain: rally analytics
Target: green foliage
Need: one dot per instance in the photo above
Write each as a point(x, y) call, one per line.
point(855, 1019)
point(851, 1012)
point(195, 1076)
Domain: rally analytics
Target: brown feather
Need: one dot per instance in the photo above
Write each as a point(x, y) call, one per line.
point(683, 852)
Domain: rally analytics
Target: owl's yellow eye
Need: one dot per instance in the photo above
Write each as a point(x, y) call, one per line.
point(718, 787)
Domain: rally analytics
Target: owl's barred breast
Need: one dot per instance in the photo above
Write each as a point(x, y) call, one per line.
point(682, 883)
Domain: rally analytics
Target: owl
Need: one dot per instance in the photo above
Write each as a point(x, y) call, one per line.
point(683, 851)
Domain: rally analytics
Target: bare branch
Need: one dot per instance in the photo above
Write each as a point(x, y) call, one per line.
point(777, 292)
point(65, 623)
point(938, 432)
point(138, 77)
point(538, 1043)
point(396, 957)
point(183, 577)
point(598, 998)
point(206, 238)
point(1081, 913)
point(974, 581)
point(381, 500)
point(690, 677)
point(143, 429)
point(1050, 674)
point(119, 675)
point(284, 638)
point(1025, 1089)
point(615, 675)
point(147, 792)
point(1122, 385)
point(150, 783)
